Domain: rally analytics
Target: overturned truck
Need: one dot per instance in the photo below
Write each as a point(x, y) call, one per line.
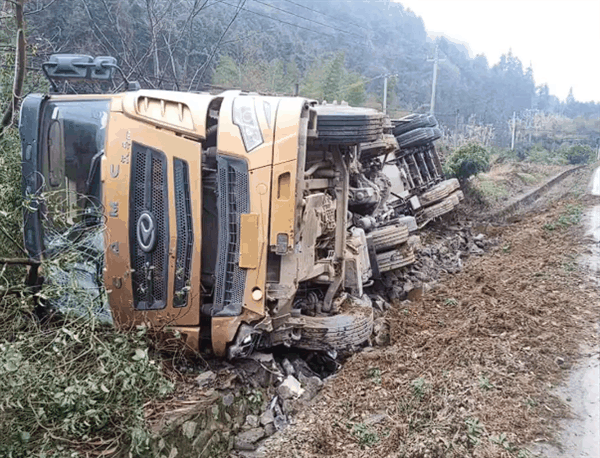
point(242, 221)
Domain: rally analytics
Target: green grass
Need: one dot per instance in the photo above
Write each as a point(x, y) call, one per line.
point(570, 217)
point(364, 434)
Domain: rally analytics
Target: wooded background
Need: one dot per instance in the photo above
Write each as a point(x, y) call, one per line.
point(332, 50)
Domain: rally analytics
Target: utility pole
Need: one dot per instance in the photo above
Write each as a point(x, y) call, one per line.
point(456, 128)
point(514, 131)
point(436, 60)
point(385, 80)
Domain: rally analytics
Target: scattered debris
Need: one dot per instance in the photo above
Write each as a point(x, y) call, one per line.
point(206, 379)
point(290, 388)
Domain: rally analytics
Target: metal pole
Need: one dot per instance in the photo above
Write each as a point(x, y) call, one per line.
point(436, 60)
point(385, 80)
point(514, 131)
point(456, 127)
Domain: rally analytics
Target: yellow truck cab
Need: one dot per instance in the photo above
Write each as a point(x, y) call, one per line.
point(242, 221)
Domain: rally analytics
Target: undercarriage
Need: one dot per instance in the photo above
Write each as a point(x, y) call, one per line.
point(361, 195)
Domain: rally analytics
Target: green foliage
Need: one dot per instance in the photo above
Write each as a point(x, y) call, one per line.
point(539, 154)
point(570, 217)
point(11, 201)
point(485, 384)
point(328, 79)
point(252, 74)
point(579, 154)
point(366, 437)
point(71, 382)
point(474, 430)
point(374, 374)
point(467, 160)
point(420, 387)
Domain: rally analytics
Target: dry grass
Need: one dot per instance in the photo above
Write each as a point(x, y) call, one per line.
point(470, 366)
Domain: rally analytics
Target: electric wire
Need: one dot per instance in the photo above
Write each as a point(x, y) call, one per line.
point(327, 15)
point(279, 20)
point(240, 7)
point(307, 19)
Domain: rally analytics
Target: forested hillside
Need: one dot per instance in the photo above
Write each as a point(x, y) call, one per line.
point(332, 50)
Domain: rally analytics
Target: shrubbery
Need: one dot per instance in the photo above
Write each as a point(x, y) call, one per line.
point(579, 154)
point(467, 160)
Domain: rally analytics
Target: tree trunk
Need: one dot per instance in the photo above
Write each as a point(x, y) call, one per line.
point(20, 66)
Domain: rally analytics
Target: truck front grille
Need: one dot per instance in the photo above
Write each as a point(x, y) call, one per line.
point(185, 232)
point(232, 201)
point(149, 194)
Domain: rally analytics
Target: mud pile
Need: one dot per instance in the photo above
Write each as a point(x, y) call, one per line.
point(439, 251)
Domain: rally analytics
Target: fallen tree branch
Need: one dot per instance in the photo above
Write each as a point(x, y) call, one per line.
point(19, 261)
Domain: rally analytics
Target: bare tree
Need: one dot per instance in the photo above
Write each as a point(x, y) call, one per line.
point(20, 66)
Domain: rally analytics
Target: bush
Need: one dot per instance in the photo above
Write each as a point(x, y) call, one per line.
point(579, 154)
point(73, 385)
point(540, 155)
point(466, 161)
point(11, 207)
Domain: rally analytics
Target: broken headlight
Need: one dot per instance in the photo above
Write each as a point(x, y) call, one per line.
point(244, 116)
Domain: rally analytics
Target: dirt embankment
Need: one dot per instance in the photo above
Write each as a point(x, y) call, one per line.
point(470, 365)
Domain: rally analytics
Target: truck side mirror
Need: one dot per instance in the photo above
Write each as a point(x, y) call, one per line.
point(68, 66)
point(104, 68)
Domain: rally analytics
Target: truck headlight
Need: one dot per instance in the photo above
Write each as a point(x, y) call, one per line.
point(244, 116)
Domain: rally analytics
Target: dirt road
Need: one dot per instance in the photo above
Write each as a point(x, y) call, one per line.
point(471, 366)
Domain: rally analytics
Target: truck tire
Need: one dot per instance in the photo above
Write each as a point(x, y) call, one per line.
point(344, 331)
point(394, 259)
point(439, 209)
point(457, 197)
point(348, 125)
point(439, 192)
point(414, 121)
point(388, 237)
point(418, 137)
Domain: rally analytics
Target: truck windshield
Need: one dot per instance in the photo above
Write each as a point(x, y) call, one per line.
point(73, 142)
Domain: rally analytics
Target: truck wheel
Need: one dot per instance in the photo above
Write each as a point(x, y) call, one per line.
point(418, 137)
point(389, 237)
point(392, 260)
point(414, 121)
point(348, 125)
point(439, 209)
point(341, 332)
point(457, 197)
point(439, 191)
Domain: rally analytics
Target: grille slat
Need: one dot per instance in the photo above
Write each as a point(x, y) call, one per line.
point(185, 232)
point(232, 201)
point(149, 193)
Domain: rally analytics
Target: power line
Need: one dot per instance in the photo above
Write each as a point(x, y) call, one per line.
point(240, 6)
point(307, 19)
point(327, 15)
point(279, 20)
point(248, 35)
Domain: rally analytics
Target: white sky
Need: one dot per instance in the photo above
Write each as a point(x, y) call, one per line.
point(560, 38)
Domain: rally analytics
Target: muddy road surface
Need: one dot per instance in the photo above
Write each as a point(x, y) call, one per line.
point(473, 366)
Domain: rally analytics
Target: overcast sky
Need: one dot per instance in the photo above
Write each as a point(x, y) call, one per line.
point(560, 38)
